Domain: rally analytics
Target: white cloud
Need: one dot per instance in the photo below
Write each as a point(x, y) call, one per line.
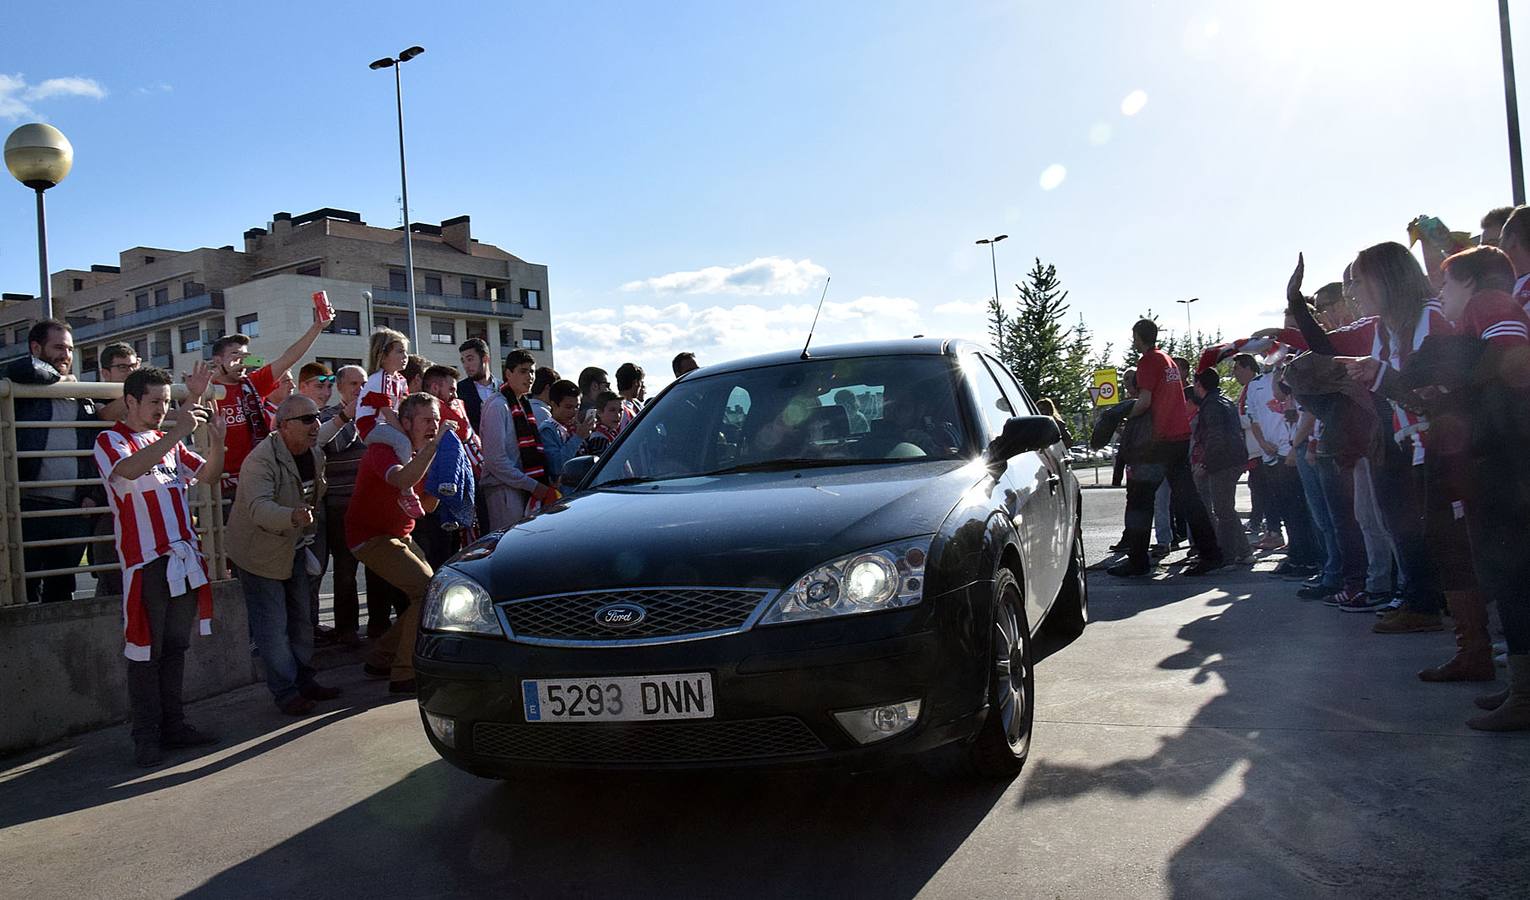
point(760, 277)
point(17, 96)
point(157, 88)
point(1053, 176)
point(962, 308)
point(651, 335)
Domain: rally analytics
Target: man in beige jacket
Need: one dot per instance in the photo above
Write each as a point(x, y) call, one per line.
point(269, 533)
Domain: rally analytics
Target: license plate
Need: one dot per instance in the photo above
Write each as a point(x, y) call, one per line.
point(632, 698)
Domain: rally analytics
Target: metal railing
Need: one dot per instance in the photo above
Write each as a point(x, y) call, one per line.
point(448, 303)
point(206, 499)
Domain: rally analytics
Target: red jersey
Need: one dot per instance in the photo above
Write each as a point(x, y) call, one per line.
point(151, 515)
point(1496, 318)
point(1157, 375)
point(381, 391)
point(454, 414)
point(241, 432)
point(375, 510)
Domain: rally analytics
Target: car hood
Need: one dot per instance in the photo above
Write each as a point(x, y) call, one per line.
point(743, 530)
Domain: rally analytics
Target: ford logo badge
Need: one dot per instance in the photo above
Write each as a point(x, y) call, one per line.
point(620, 615)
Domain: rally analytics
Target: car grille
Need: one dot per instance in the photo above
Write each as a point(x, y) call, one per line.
point(671, 612)
point(647, 743)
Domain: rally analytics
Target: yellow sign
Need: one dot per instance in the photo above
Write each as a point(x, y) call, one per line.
point(1107, 387)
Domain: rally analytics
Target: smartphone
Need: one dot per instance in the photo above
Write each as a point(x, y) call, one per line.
point(589, 415)
point(254, 362)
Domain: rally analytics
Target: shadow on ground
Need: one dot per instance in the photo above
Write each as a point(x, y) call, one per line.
point(442, 832)
point(1419, 806)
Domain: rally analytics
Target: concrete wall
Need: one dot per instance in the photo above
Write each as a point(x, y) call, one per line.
point(62, 670)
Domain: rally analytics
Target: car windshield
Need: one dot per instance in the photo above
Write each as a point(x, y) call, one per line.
point(814, 413)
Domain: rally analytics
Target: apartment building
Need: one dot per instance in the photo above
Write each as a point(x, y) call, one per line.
point(171, 304)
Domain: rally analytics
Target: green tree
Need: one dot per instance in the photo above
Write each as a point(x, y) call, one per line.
point(1036, 344)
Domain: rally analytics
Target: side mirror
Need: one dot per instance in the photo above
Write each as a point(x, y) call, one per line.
point(578, 467)
point(1023, 434)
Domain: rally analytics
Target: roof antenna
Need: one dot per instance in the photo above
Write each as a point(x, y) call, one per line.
point(814, 326)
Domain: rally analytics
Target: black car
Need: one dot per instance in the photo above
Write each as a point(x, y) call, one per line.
point(793, 559)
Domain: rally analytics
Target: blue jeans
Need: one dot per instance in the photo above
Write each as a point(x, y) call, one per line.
point(1322, 517)
point(279, 623)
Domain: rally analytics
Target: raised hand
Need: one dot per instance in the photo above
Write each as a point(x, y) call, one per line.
point(197, 380)
point(1294, 286)
point(187, 418)
point(217, 430)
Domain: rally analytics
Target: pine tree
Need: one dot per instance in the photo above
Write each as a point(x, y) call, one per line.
point(1036, 342)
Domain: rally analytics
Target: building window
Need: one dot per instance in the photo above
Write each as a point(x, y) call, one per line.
point(477, 328)
point(336, 363)
point(531, 339)
point(88, 363)
point(109, 311)
point(249, 325)
point(3, 340)
point(397, 281)
point(79, 284)
point(191, 338)
point(141, 347)
point(470, 288)
point(506, 336)
point(531, 299)
point(140, 302)
point(347, 321)
point(148, 260)
point(315, 270)
point(433, 285)
point(394, 322)
point(190, 289)
point(161, 296)
point(443, 331)
point(21, 336)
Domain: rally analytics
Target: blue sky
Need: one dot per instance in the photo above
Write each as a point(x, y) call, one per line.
point(690, 171)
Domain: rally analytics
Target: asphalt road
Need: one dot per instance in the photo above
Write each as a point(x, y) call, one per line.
point(1204, 738)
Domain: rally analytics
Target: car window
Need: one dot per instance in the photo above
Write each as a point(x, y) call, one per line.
point(991, 400)
point(837, 411)
point(1019, 399)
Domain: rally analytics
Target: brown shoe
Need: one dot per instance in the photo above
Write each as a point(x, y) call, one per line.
point(1404, 622)
point(1492, 701)
point(1474, 646)
point(1514, 714)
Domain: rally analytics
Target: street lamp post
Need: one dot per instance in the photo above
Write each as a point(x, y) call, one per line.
point(39, 156)
point(1189, 332)
point(403, 173)
point(1511, 103)
point(994, 262)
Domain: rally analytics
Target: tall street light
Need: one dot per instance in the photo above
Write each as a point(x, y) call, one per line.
point(994, 261)
point(1189, 332)
point(403, 173)
point(39, 156)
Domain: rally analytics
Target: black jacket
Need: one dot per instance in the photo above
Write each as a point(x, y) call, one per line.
point(31, 370)
point(467, 392)
point(1219, 434)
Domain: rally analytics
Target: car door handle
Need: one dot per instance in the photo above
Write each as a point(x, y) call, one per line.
point(1053, 480)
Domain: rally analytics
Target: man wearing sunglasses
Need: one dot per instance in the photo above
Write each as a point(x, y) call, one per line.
point(271, 532)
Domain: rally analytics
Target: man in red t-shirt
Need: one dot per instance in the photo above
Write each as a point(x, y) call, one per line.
point(1163, 397)
point(377, 529)
point(242, 406)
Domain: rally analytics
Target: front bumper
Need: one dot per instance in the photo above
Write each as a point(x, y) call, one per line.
point(775, 691)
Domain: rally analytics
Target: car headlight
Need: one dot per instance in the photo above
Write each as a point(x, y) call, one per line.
point(867, 581)
point(455, 602)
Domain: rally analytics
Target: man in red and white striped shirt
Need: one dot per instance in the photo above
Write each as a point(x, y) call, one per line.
point(148, 475)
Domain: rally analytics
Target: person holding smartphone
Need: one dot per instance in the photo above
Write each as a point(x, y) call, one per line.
point(563, 435)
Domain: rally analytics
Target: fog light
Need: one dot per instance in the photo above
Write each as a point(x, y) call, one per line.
point(877, 723)
point(443, 728)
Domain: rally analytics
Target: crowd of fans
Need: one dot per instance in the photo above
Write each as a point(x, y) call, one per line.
point(386, 470)
point(1382, 431)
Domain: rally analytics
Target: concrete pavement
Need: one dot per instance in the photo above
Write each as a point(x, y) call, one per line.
point(1203, 738)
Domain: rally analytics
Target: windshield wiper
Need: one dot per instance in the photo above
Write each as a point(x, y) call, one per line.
point(618, 482)
point(777, 465)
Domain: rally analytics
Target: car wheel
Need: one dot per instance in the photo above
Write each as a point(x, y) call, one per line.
point(1070, 612)
point(1003, 740)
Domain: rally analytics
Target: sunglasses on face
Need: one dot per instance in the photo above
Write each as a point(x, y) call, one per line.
point(306, 419)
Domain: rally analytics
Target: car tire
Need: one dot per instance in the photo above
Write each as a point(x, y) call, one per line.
point(1003, 741)
point(1070, 611)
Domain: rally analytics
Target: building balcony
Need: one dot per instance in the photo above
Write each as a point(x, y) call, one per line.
point(145, 317)
point(476, 306)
